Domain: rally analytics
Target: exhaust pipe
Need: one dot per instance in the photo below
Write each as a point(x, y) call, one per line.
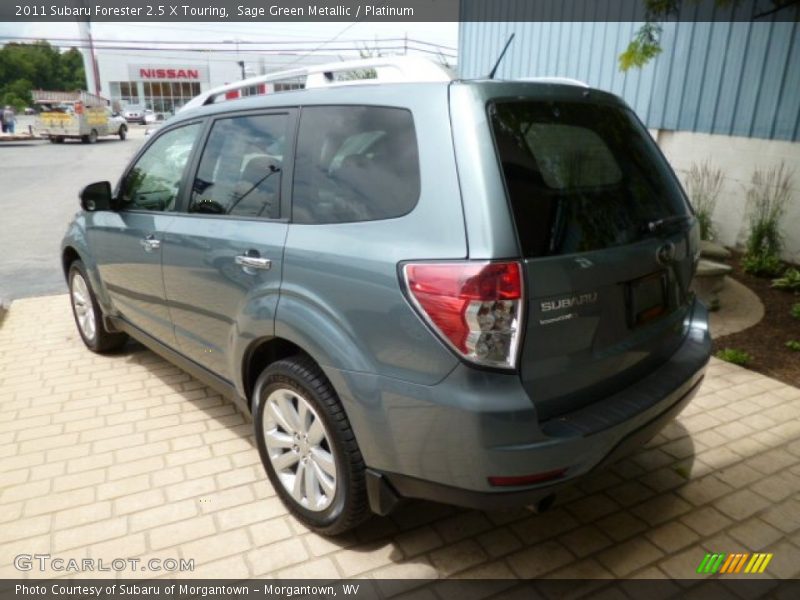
point(542, 505)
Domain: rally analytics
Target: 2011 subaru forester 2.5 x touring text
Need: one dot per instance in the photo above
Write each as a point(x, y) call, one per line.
point(472, 292)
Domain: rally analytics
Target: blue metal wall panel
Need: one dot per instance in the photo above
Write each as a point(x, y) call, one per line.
point(736, 78)
point(786, 124)
point(772, 75)
point(712, 75)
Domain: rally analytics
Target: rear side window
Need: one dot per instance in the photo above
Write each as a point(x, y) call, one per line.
point(240, 171)
point(355, 163)
point(580, 177)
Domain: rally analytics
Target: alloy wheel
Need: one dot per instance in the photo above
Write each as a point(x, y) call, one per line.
point(82, 305)
point(299, 449)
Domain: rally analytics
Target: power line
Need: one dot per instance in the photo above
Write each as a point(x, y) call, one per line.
point(203, 53)
point(334, 38)
point(205, 56)
point(230, 42)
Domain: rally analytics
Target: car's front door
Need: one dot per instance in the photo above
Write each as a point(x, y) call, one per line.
point(223, 253)
point(127, 242)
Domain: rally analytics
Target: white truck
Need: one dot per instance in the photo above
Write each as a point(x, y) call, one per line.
point(77, 115)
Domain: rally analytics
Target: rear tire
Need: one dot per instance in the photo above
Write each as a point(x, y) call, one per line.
point(87, 313)
point(93, 136)
point(123, 133)
point(312, 459)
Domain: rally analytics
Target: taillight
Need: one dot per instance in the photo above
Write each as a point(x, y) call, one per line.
point(476, 307)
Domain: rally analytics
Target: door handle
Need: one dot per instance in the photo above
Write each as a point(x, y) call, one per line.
point(253, 262)
point(150, 243)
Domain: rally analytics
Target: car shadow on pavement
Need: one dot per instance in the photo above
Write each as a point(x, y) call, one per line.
point(596, 525)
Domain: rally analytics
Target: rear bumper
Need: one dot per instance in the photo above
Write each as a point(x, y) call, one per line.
point(443, 442)
point(409, 487)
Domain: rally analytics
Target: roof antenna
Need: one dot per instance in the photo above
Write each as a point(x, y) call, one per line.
point(502, 54)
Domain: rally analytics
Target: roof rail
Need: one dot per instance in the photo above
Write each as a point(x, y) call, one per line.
point(392, 69)
point(561, 80)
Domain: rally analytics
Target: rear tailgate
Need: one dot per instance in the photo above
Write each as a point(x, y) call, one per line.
point(608, 244)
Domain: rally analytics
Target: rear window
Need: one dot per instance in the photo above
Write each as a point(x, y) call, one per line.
point(355, 163)
point(580, 177)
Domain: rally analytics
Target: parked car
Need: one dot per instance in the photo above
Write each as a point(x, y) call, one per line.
point(472, 292)
point(138, 114)
point(134, 114)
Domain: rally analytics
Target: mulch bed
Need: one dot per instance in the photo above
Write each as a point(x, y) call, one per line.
point(766, 341)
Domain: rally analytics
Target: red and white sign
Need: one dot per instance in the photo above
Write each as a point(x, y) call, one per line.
point(163, 73)
point(169, 74)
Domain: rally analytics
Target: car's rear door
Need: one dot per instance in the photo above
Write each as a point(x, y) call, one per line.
point(606, 239)
point(127, 243)
point(223, 252)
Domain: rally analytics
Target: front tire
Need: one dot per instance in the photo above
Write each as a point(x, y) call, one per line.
point(123, 133)
point(308, 447)
point(88, 315)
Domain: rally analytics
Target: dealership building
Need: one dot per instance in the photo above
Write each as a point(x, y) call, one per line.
point(165, 80)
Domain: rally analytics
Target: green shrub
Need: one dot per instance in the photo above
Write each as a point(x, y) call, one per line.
point(789, 281)
point(704, 183)
point(762, 265)
point(793, 345)
point(795, 310)
point(732, 355)
point(769, 193)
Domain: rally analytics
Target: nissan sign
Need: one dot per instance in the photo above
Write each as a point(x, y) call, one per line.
point(157, 73)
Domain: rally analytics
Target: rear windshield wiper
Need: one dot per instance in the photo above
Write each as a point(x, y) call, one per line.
point(653, 226)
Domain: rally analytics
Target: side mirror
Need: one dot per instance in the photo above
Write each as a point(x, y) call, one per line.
point(96, 196)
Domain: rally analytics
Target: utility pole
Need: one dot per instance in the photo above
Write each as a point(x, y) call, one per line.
point(239, 61)
point(90, 67)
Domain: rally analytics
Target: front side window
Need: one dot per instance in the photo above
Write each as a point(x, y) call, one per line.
point(154, 181)
point(240, 171)
point(355, 163)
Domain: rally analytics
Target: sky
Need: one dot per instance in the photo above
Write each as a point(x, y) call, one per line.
point(438, 33)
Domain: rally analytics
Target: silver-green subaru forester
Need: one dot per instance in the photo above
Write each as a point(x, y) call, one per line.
point(472, 292)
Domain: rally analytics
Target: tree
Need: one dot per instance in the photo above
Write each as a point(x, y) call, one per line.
point(25, 67)
point(646, 44)
point(71, 73)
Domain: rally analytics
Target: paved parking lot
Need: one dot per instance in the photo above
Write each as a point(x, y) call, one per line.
point(127, 456)
point(40, 183)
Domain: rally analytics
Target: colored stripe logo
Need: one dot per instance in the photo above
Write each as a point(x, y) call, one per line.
point(727, 564)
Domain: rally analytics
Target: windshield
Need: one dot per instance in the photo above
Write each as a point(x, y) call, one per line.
point(581, 176)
